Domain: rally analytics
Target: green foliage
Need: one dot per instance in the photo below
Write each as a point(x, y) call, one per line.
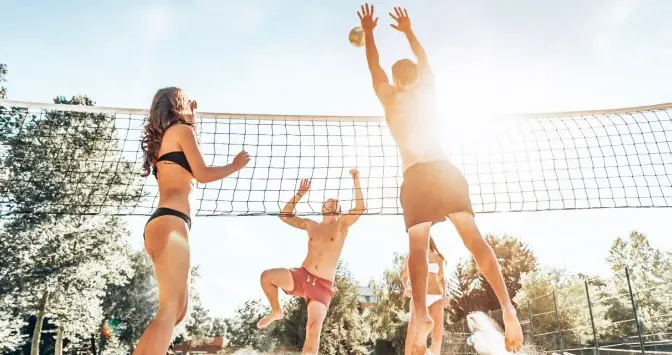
point(388, 318)
point(243, 332)
point(3, 79)
point(474, 293)
point(129, 308)
point(650, 277)
point(343, 331)
point(63, 161)
point(291, 331)
point(199, 323)
point(218, 328)
point(542, 290)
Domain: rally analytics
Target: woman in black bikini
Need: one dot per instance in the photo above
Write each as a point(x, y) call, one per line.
point(172, 154)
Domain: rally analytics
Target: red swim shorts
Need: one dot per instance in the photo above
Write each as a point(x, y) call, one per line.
point(311, 287)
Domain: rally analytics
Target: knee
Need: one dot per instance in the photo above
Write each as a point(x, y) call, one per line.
point(265, 277)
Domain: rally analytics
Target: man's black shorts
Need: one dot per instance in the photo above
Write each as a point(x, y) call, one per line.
point(432, 191)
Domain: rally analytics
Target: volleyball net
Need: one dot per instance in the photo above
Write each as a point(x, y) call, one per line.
point(81, 159)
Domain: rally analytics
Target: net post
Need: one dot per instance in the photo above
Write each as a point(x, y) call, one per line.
point(557, 322)
point(93, 344)
point(592, 318)
point(634, 310)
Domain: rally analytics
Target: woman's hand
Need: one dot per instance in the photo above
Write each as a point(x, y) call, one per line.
point(241, 159)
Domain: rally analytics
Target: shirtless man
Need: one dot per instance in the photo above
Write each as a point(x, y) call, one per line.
point(433, 188)
point(314, 280)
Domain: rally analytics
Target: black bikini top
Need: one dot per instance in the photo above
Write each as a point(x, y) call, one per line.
point(176, 157)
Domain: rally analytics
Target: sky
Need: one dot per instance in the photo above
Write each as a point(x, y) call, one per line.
point(293, 57)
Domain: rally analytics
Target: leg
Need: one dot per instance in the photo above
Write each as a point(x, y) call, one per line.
point(408, 344)
point(418, 272)
point(436, 312)
point(270, 281)
point(489, 266)
point(316, 314)
point(166, 242)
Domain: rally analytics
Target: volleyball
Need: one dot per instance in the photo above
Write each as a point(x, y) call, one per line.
point(357, 37)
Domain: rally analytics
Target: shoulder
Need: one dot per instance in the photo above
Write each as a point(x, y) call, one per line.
point(343, 223)
point(310, 224)
point(180, 130)
point(385, 92)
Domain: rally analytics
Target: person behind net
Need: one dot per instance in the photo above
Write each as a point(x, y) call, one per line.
point(433, 188)
point(172, 154)
point(314, 279)
point(436, 293)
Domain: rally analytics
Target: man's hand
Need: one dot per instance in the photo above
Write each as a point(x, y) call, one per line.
point(403, 22)
point(304, 187)
point(240, 160)
point(354, 173)
point(366, 16)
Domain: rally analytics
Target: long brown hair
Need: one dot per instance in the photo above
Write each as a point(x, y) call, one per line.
point(432, 247)
point(169, 107)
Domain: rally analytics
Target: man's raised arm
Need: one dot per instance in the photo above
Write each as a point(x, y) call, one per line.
point(360, 206)
point(368, 24)
point(287, 213)
point(404, 26)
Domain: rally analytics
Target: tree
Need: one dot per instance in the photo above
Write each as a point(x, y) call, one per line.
point(649, 270)
point(199, 323)
point(243, 332)
point(3, 79)
point(291, 331)
point(388, 317)
point(11, 324)
point(459, 295)
point(129, 308)
point(218, 328)
point(475, 293)
point(542, 291)
point(63, 162)
point(344, 331)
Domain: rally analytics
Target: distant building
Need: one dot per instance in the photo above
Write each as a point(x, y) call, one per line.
point(206, 346)
point(366, 297)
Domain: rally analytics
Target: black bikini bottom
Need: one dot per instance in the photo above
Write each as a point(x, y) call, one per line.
point(163, 211)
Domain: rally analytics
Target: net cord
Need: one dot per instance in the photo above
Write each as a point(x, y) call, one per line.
point(271, 117)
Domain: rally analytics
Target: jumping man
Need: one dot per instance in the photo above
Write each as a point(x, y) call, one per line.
point(433, 188)
point(315, 278)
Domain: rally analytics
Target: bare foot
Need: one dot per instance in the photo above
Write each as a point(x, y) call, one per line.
point(422, 329)
point(266, 321)
point(513, 332)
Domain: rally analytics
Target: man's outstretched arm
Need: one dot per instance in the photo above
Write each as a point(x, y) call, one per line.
point(372, 58)
point(287, 213)
point(360, 206)
point(404, 26)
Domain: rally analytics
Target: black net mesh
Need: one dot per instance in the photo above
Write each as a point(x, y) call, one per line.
point(87, 160)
